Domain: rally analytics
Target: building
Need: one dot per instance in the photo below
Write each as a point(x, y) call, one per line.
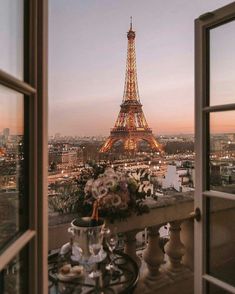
point(178, 178)
point(5, 136)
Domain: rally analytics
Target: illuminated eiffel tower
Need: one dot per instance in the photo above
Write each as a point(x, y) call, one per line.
point(131, 126)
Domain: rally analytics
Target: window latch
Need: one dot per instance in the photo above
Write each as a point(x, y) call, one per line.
point(196, 214)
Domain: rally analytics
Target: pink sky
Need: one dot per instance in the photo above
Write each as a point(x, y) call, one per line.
point(87, 60)
point(11, 111)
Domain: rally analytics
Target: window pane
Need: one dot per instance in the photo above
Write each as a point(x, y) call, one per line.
point(12, 196)
point(11, 36)
point(13, 279)
point(222, 64)
point(212, 289)
point(221, 239)
point(222, 151)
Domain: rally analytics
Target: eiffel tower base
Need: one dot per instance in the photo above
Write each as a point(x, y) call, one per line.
point(130, 141)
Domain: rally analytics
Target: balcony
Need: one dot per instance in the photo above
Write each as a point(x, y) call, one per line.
point(158, 270)
point(165, 266)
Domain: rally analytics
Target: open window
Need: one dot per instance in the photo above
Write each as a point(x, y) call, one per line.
point(23, 148)
point(215, 169)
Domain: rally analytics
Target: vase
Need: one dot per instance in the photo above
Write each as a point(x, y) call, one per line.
point(80, 230)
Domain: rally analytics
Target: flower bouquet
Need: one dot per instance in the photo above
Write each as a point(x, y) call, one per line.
point(119, 193)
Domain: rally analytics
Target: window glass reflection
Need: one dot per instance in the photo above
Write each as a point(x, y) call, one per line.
point(222, 151)
point(222, 64)
point(12, 196)
point(11, 36)
point(221, 242)
point(212, 289)
point(14, 277)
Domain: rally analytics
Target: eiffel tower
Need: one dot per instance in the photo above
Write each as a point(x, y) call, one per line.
point(131, 126)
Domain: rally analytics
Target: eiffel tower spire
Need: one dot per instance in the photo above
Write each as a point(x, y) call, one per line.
point(131, 91)
point(131, 126)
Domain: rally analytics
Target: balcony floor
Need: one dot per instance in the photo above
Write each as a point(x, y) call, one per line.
point(184, 286)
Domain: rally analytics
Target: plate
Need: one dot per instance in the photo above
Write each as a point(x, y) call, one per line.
point(70, 276)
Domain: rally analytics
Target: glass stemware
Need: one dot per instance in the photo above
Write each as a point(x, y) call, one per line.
point(95, 246)
point(111, 242)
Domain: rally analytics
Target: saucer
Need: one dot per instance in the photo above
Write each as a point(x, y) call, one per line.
point(98, 258)
point(93, 259)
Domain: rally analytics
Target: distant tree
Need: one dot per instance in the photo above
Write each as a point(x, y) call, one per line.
point(53, 166)
point(179, 147)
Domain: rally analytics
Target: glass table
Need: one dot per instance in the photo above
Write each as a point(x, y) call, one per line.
point(122, 280)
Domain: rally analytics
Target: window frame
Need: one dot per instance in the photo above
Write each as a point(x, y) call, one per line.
point(202, 26)
point(35, 88)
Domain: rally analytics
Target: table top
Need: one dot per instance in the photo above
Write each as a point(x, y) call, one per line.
point(122, 281)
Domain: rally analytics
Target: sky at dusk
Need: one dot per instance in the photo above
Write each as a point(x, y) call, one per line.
point(87, 60)
point(11, 111)
point(11, 61)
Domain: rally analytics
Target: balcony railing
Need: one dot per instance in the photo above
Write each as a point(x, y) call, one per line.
point(168, 268)
point(158, 267)
point(163, 266)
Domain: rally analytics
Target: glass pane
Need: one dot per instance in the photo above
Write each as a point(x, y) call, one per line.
point(11, 36)
point(222, 151)
point(222, 64)
point(13, 279)
point(212, 289)
point(12, 196)
point(221, 239)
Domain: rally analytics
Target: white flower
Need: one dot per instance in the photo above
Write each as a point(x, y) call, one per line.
point(94, 189)
point(110, 182)
point(116, 200)
point(102, 191)
point(99, 189)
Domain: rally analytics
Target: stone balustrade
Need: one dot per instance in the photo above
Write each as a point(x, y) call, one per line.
point(159, 267)
point(162, 268)
point(166, 267)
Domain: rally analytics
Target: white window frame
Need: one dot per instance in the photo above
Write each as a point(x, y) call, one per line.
point(202, 110)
